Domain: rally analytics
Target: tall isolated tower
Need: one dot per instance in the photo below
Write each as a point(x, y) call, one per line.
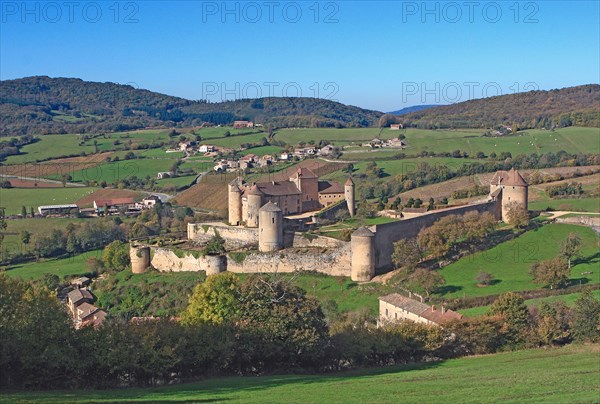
point(349, 196)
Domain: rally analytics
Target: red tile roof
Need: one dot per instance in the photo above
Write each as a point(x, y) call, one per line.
point(329, 187)
point(509, 178)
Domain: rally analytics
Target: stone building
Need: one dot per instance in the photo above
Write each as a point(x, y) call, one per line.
point(509, 187)
point(303, 192)
point(395, 307)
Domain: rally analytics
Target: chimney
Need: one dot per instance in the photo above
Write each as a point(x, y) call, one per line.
point(410, 294)
point(443, 309)
point(432, 307)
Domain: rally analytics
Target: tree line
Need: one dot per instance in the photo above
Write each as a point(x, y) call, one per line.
point(255, 326)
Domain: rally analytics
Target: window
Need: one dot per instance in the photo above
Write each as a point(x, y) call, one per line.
point(273, 219)
point(386, 312)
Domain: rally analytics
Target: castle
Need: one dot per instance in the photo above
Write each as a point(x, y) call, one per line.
point(256, 216)
point(303, 192)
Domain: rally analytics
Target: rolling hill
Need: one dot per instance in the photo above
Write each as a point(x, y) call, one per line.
point(571, 106)
point(41, 105)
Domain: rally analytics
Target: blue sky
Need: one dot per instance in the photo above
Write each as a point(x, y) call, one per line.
point(378, 55)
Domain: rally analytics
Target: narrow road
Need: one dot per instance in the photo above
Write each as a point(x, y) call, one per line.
point(37, 179)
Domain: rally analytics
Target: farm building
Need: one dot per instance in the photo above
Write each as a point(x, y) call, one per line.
point(243, 124)
point(58, 209)
point(113, 205)
point(395, 307)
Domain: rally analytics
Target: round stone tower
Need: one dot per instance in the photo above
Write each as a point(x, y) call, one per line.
point(514, 190)
point(363, 255)
point(140, 259)
point(254, 201)
point(270, 228)
point(349, 196)
point(235, 203)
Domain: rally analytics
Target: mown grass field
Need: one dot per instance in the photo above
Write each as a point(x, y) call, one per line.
point(569, 300)
point(574, 140)
point(75, 265)
point(561, 375)
point(114, 171)
point(14, 198)
point(569, 204)
point(510, 261)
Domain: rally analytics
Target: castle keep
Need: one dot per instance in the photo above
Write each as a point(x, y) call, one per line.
point(303, 192)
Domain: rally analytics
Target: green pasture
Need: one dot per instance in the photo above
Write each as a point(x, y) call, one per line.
point(510, 261)
point(261, 151)
point(558, 375)
point(117, 170)
point(13, 199)
point(75, 265)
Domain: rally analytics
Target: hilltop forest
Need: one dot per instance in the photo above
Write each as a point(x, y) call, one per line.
point(43, 105)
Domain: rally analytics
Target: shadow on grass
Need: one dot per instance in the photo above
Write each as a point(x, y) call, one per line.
point(443, 290)
point(591, 259)
point(216, 389)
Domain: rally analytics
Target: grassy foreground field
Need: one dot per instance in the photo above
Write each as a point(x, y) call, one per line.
point(565, 375)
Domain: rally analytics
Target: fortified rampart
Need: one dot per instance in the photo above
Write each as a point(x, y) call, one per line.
point(388, 233)
point(166, 260)
point(236, 237)
point(330, 261)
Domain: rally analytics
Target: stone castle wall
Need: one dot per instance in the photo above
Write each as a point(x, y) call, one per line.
point(166, 260)
point(236, 237)
point(387, 234)
point(333, 261)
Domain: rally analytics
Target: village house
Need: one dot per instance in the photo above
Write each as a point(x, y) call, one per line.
point(326, 150)
point(89, 315)
point(243, 124)
point(80, 282)
point(285, 156)
point(164, 174)
point(206, 148)
point(77, 297)
point(150, 201)
point(396, 126)
point(183, 146)
point(265, 160)
point(303, 152)
point(395, 142)
point(395, 307)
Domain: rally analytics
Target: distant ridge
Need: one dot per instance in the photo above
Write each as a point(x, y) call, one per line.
point(39, 105)
point(414, 108)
